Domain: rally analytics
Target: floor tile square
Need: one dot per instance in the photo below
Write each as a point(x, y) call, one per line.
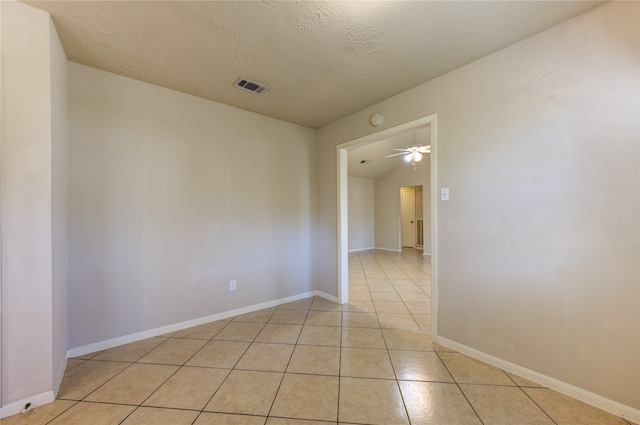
point(92, 413)
point(418, 308)
point(423, 321)
point(371, 401)
point(362, 338)
point(133, 385)
point(175, 351)
point(433, 403)
point(466, 370)
point(320, 303)
point(240, 331)
point(221, 354)
point(283, 421)
point(130, 352)
point(522, 382)
point(497, 405)
point(189, 388)
point(320, 335)
point(379, 297)
point(307, 397)
point(246, 392)
point(304, 304)
point(277, 333)
point(315, 360)
point(390, 307)
point(207, 418)
point(397, 321)
point(360, 320)
point(403, 339)
point(359, 306)
point(324, 318)
point(289, 317)
point(419, 366)
point(266, 357)
point(83, 379)
point(366, 363)
point(259, 316)
point(158, 416)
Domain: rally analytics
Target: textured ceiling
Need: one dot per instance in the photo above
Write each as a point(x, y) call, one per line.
point(322, 60)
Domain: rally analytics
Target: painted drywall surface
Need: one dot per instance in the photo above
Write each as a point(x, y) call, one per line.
point(538, 246)
point(171, 196)
point(26, 203)
point(361, 213)
point(387, 203)
point(59, 201)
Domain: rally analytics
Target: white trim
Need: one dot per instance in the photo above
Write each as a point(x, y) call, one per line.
point(327, 296)
point(343, 224)
point(58, 380)
point(388, 249)
point(16, 407)
point(362, 249)
point(125, 339)
point(342, 212)
point(585, 396)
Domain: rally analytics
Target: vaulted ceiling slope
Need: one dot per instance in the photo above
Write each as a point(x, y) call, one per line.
point(321, 60)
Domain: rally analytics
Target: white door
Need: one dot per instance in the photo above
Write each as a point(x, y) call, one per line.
point(408, 213)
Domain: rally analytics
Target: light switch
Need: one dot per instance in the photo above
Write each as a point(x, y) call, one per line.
point(444, 194)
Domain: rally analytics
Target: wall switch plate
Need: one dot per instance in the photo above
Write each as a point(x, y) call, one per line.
point(232, 285)
point(444, 194)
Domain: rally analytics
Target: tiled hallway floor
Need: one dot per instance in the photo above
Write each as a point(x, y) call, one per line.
point(309, 362)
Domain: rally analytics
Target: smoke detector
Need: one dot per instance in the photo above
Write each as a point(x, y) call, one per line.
point(252, 86)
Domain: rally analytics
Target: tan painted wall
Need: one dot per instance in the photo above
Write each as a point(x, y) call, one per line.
point(172, 196)
point(361, 213)
point(539, 244)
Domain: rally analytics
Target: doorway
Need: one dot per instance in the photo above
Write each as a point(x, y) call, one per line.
point(411, 217)
point(428, 122)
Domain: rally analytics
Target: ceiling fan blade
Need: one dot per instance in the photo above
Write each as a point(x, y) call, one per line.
point(403, 150)
point(424, 149)
point(397, 154)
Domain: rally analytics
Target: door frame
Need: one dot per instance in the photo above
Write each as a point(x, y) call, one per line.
point(430, 122)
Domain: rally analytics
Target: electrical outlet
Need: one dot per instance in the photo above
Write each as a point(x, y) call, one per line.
point(232, 285)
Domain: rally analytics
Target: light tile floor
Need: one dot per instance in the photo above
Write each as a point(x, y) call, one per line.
point(309, 362)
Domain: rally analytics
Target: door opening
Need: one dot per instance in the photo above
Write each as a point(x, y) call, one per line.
point(412, 219)
point(428, 122)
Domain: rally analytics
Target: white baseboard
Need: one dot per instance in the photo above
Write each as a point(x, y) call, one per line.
point(58, 379)
point(18, 406)
point(326, 296)
point(585, 396)
point(388, 249)
point(125, 339)
point(361, 249)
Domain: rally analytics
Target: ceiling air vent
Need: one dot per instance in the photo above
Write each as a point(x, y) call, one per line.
point(252, 86)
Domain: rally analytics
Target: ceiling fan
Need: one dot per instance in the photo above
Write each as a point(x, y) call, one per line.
point(412, 154)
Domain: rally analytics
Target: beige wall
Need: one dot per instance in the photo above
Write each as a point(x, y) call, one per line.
point(361, 213)
point(33, 133)
point(538, 247)
point(172, 196)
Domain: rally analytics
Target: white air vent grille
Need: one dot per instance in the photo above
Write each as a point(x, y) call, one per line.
point(252, 86)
